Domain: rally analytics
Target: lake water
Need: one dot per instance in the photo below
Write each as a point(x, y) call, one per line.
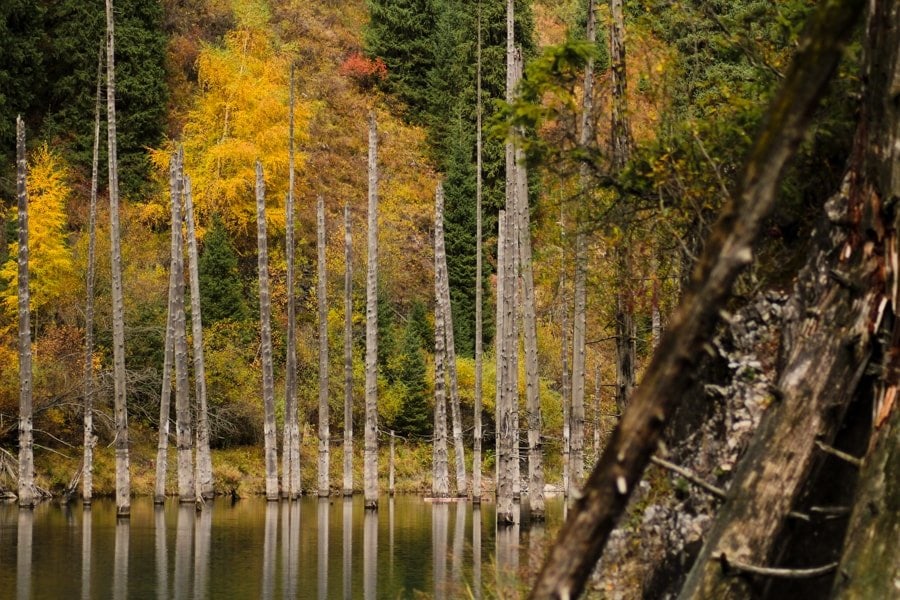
point(312, 548)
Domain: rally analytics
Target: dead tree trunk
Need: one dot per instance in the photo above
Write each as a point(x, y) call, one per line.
point(621, 128)
point(324, 433)
point(506, 431)
point(290, 453)
point(440, 486)
point(26, 428)
point(727, 252)
point(479, 276)
point(598, 410)
point(502, 411)
point(165, 395)
point(440, 264)
point(268, 385)
point(565, 386)
point(348, 355)
point(370, 459)
point(87, 478)
point(204, 474)
point(123, 470)
point(184, 440)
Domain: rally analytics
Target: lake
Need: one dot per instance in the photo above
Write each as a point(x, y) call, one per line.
point(311, 548)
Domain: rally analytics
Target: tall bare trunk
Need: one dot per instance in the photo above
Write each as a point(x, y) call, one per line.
point(479, 358)
point(443, 304)
point(123, 470)
point(87, 477)
point(370, 459)
point(499, 358)
point(565, 386)
point(204, 474)
point(291, 438)
point(165, 395)
point(625, 343)
point(598, 409)
point(184, 439)
point(268, 386)
point(621, 128)
point(576, 456)
point(348, 355)
point(391, 467)
point(324, 433)
point(26, 429)
point(440, 486)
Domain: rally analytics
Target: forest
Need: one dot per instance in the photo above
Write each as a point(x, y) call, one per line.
point(640, 256)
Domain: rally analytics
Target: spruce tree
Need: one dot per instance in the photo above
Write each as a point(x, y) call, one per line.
point(415, 415)
point(221, 292)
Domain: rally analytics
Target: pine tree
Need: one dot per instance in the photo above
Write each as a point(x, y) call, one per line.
point(415, 415)
point(221, 292)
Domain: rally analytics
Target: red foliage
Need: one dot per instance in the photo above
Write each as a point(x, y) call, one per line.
point(366, 72)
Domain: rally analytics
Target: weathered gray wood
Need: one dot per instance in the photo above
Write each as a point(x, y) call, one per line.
point(598, 409)
point(479, 281)
point(727, 252)
point(565, 386)
point(440, 485)
point(370, 458)
point(324, 432)
point(502, 419)
point(391, 467)
point(265, 311)
point(26, 489)
point(348, 355)
point(291, 435)
point(87, 478)
point(120, 406)
point(506, 425)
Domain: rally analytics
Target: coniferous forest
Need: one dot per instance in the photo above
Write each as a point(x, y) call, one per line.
point(636, 258)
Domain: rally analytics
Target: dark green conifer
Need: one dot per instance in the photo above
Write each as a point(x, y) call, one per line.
point(221, 292)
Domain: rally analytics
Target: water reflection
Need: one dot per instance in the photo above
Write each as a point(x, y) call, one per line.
point(370, 554)
point(23, 554)
point(293, 557)
point(120, 572)
point(203, 532)
point(86, 526)
point(440, 513)
point(184, 541)
point(476, 550)
point(322, 542)
point(269, 551)
point(347, 539)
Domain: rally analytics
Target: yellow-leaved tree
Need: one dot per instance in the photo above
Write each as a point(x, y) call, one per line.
point(50, 259)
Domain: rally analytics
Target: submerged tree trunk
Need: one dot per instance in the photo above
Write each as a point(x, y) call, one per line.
point(268, 385)
point(87, 477)
point(123, 470)
point(204, 474)
point(727, 252)
point(290, 453)
point(443, 293)
point(479, 358)
point(184, 440)
point(348, 355)
point(506, 431)
point(440, 486)
point(503, 418)
point(370, 459)
point(324, 433)
point(26, 429)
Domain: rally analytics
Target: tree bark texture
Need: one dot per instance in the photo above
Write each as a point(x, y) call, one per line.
point(26, 408)
point(87, 477)
point(440, 486)
point(621, 128)
point(324, 432)
point(440, 263)
point(183, 439)
point(348, 355)
point(727, 252)
point(625, 333)
point(268, 385)
point(123, 470)
point(565, 385)
point(479, 276)
point(503, 417)
point(370, 459)
point(499, 356)
point(204, 475)
point(291, 435)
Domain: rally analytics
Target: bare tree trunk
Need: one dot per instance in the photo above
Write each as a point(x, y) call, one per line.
point(370, 466)
point(26, 429)
point(123, 470)
point(204, 458)
point(440, 486)
point(184, 439)
point(576, 456)
point(268, 388)
point(348, 356)
point(625, 346)
point(500, 359)
point(324, 433)
point(291, 438)
point(479, 358)
point(87, 478)
point(621, 128)
point(727, 252)
point(505, 419)
point(391, 467)
point(165, 395)
point(443, 293)
point(564, 383)
point(655, 320)
point(598, 410)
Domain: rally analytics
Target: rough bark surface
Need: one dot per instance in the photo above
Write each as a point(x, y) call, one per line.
point(503, 434)
point(621, 128)
point(440, 486)
point(324, 432)
point(727, 252)
point(370, 458)
point(123, 470)
point(26, 429)
point(479, 276)
point(291, 435)
point(348, 355)
point(268, 384)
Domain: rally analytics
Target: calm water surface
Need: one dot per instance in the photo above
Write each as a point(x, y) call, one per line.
point(329, 548)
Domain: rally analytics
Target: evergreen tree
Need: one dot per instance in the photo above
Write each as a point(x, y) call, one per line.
point(387, 343)
point(415, 416)
point(221, 292)
point(418, 322)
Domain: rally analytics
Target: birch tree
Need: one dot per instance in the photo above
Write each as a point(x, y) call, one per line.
point(268, 385)
point(348, 355)
point(370, 466)
point(87, 477)
point(26, 428)
point(479, 358)
point(204, 476)
point(123, 470)
point(291, 437)
point(324, 433)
